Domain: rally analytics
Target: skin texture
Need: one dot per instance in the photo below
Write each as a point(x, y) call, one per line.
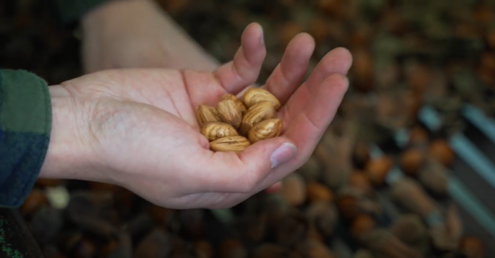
point(136, 127)
point(139, 34)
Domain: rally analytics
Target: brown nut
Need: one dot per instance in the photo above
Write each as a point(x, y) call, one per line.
point(229, 112)
point(237, 101)
point(418, 136)
point(256, 114)
point(207, 114)
point(411, 161)
point(35, 200)
point(318, 192)
point(230, 143)
point(203, 249)
point(360, 154)
point(361, 225)
point(294, 190)
point(472, 247)
point(378, 169)
point(257, 95)
point(216, 130)
point(359, 180)
point(441, 151)
point(265, 129)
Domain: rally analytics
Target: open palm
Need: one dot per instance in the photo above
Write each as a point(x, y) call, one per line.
point(142, 127)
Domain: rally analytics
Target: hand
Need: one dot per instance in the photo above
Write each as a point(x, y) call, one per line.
point(137, 127)
point(138, 34)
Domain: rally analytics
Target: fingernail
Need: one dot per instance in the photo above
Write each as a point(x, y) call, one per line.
point(262, 38)
point(283, 154)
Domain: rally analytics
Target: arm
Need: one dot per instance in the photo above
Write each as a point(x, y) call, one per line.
point(132, 34)
point(138, 34)
point(25, 126)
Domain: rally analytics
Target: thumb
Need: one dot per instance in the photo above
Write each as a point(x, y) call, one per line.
point(243, 172)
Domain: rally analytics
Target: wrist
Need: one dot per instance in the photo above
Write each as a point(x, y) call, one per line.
point(68, 155)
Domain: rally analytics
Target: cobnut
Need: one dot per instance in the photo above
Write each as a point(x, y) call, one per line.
point(257, 113)
point(215, 130)
point(229, 112)
point(230, 143)
point(207, 114)
point(237, 101)
point(411, 160)
point(257, 95)
point(441, 151)
point(265, 129)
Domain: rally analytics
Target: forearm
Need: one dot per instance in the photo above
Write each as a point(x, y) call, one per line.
point(145, 36)
point(68, 154)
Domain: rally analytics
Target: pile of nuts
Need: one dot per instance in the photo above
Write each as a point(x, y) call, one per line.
point(235, 124)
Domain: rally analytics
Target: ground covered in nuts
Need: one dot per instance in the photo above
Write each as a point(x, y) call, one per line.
point(343, 202)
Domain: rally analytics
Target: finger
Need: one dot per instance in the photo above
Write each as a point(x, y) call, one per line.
point(307, 127)
point(291, 70)
point(245, 68)
point(228, 172)
point(305, 132)
point(337, 61)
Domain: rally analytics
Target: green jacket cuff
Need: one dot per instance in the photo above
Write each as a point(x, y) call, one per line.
point(72, 10)
point(25, 126)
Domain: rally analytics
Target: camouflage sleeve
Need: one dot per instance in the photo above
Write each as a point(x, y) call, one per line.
point(25, 126)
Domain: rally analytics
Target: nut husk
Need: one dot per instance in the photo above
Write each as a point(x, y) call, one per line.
point(360, 154)
point(362, 225)
point(472, 247)
point(434, 177)
point(318, 192)
point(359, 180)
point(274, 251)
point(257, 95)
point(441, 151)
point(291, 228)
point(35, 201)
point(229, 112)
point(418, 136)
point(314, 249)
point(207, 114)
point(230, 144)
point(216, 130)
point(265, 129)
point(411, 196)
point(311, 170)
point(446, 236)
point(294, 190)
point(203, 249)
point(351, 202)
point(383, 243)
point(363, 253)
point(157, 243)
point(323, 216)
point(378, 169)
point(412, 231)
point(411, 161)
point(232, 248)
point(256, 114)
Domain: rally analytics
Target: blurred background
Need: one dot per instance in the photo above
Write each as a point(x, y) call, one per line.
point(405, 170)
